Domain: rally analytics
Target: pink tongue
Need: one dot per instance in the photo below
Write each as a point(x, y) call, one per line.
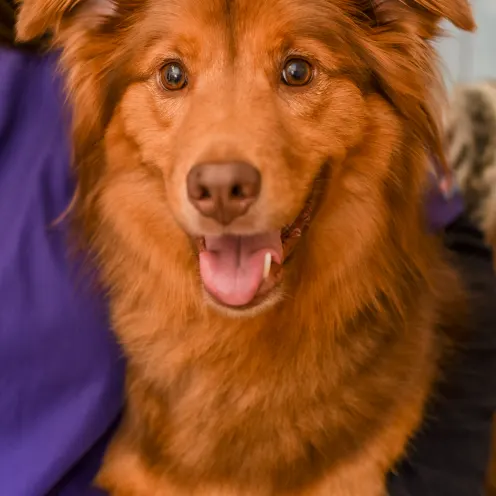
point(232, 267)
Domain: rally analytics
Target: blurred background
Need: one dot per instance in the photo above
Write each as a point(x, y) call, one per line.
point(469, 57)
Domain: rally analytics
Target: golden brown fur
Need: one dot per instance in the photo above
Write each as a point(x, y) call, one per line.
point(319, 392)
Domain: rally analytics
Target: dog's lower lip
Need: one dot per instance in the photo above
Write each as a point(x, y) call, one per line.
point(268, 286)
point(263, 293)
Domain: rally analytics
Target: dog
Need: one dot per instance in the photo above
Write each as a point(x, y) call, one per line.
point(250, 182)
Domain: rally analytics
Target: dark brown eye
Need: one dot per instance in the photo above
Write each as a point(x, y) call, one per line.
point(297, 72)
point(172, 76)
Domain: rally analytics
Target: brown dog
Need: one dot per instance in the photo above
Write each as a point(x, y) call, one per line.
point(251, 178)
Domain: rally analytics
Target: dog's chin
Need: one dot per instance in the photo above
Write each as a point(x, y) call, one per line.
point(259, 305)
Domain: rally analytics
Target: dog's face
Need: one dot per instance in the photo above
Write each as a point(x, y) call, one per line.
point(240, 110)
point(224, 118)
point(240, 107)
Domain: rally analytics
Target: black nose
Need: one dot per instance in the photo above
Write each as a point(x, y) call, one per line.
point(223, 191)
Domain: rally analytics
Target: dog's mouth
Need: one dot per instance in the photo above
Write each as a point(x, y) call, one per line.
point(242, 271)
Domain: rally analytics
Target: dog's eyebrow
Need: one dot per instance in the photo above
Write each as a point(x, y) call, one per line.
point(179, 47)
point(332, 31)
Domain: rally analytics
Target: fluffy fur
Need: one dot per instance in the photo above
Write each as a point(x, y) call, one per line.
point(470, 141)
point(318, 391)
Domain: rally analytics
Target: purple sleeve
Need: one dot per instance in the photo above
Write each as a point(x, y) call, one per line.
point(60, 369)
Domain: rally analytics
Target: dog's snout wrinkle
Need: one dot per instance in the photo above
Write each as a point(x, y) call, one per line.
point(223, 191)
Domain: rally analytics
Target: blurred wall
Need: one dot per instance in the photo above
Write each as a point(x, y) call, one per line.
point(468, 57)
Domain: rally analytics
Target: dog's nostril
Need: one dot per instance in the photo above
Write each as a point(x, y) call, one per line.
point(204, 193)
point(237, 191)
point(223, 191)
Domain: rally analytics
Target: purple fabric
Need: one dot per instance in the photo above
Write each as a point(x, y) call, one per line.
point(443, 210)
point(60, 369)
point(444, 202)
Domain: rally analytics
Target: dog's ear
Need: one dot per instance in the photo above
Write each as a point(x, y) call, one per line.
point(38, 17)
point(91, 59)
point(402, 59)
point(424, 15)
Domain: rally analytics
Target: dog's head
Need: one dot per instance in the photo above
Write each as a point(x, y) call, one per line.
point(228, 126)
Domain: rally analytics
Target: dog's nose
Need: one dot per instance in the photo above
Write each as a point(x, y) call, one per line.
point(223, 191)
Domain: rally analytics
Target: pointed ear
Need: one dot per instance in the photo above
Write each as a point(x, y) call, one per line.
point(427, 14)
point(37, 17)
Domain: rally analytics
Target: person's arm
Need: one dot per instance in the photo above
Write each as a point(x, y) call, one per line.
point(61, 372)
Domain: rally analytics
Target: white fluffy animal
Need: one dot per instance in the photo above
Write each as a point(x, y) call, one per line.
point(470, 133)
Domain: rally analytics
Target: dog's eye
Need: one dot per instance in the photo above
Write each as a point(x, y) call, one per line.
point(172, 76)
point(297, 72)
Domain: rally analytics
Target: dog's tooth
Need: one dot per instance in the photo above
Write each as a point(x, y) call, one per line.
point(267, 264)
